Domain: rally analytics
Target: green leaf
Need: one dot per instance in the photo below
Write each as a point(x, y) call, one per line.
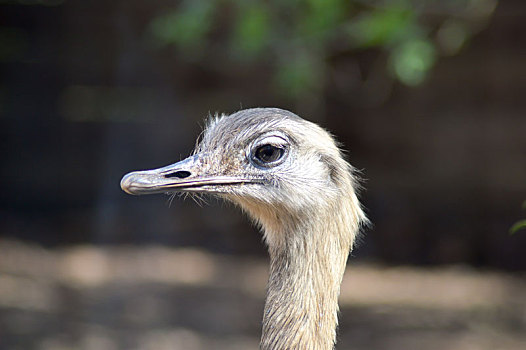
point(412, 60)
point(251, 33)
point(186, 26)
point(383, 27)
point(320, 19)
point(520, 225)
point(298, 75)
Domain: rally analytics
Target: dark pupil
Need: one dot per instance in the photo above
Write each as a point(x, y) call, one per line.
point(268, 153)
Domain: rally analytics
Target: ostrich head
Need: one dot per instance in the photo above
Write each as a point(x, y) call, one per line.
point(289, 176)
point(280, 168)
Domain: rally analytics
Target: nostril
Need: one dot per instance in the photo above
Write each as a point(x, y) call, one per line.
point(178, 174)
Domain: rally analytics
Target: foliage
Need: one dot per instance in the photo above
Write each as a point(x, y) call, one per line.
point(298, 38)
point(519, 225)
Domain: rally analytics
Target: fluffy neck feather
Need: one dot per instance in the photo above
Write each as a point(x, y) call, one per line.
point(302, 298)
point(308, 256)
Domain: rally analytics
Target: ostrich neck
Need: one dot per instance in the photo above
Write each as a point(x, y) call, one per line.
point(305, 276)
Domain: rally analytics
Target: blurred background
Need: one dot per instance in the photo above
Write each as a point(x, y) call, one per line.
point(427, 96)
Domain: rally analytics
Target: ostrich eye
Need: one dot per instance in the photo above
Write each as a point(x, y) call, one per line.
point(268, 154)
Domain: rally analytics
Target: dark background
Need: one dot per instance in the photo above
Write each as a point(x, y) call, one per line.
point(85, 98)
point(427, 97)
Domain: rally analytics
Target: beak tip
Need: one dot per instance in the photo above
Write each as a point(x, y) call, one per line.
point(126, 183)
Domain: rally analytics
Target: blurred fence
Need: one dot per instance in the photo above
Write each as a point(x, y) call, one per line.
point(86, 97)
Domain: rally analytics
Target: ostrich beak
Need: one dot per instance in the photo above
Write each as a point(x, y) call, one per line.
point(184, 176)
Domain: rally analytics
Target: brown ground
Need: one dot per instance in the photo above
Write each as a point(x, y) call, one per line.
point(159, 298)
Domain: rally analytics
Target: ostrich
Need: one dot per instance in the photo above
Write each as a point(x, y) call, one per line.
point(289, 176)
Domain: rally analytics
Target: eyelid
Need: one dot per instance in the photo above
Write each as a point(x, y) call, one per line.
point(273, 140)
